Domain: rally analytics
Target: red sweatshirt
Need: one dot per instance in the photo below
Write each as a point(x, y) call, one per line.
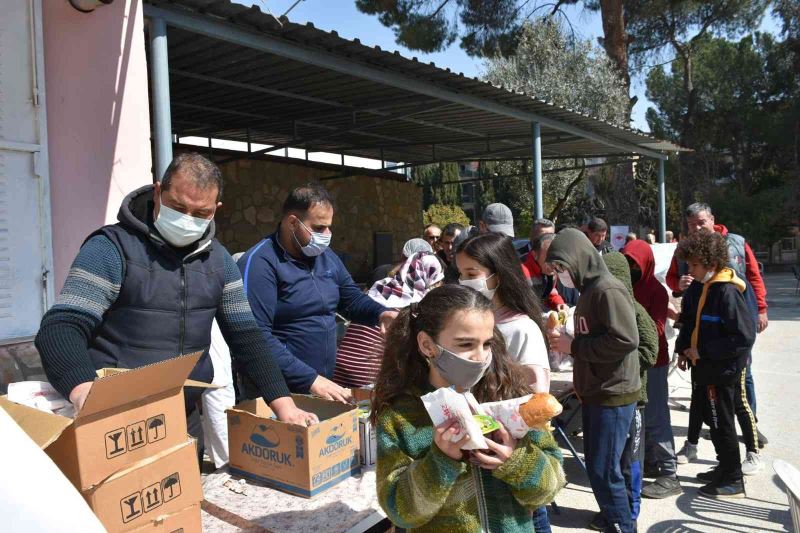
point(751, 271)
point(531, 270)
point(650, 293)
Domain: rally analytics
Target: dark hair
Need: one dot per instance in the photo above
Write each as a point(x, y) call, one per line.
point(566, 225)
point(597, 224)
point(706, 247)
point(697, 208)
point(495, 251)
point(301, 198)
point(203, 173)
point(536, 245)
point(450, 229)
point(404, 370)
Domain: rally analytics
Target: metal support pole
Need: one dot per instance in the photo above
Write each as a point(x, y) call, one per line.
point(162, 118)
point(537, 171)
point(662, 204)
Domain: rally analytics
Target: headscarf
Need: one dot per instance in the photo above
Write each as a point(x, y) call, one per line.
point(411, 283)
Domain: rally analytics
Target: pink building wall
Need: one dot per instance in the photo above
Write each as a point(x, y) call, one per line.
point(98, 119)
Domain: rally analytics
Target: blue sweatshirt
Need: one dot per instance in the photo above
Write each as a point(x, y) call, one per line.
point(295, 301)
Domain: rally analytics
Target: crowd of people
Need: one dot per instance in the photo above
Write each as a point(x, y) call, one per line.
point(459, 309)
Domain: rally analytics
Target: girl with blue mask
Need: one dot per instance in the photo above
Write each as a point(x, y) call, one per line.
point(449, 340)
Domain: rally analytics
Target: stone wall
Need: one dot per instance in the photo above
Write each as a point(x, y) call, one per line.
point(19, 362)
point(256, 188)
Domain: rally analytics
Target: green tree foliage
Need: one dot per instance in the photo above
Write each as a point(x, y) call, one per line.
point(555, 65)
point(441, 215)
point(439, 183)
point(486, 27)
point(744, 131)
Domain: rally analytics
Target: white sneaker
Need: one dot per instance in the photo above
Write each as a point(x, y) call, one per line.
point(687, 454)
point(752, 464)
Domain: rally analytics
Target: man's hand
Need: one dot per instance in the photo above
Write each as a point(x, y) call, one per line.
point(559, 342)
point(684, 282)
point(682, 362)
point(79, 394)
point(763, 322)
point(386, 319)
point(692, 355)
point(325, 388)
point(562, 308)
point(286, 411)
point(672, 311)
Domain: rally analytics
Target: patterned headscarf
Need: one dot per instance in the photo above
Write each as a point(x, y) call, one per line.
point(413, 281)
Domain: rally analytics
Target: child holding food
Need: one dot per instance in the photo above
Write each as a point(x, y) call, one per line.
point(426, 481)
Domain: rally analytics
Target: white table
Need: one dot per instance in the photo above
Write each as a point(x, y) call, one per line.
point(351, 506)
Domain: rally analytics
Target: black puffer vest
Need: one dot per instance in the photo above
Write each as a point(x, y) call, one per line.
point(168, 297)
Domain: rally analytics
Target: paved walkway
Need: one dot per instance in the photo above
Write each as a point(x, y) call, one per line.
point(776, 371)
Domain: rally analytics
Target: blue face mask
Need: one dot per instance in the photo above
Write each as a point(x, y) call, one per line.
point(317, 245)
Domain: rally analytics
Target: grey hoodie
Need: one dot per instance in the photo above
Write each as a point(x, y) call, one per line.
point(606, 369)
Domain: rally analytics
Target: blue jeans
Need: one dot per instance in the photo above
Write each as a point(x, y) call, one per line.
point(632, 462)
point(541, 522)
point(605, 432)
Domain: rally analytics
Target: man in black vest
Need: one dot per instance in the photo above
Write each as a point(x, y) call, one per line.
point(148, 288)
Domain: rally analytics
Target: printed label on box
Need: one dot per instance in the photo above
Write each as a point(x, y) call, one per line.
point(135, 505)
point(135, 436)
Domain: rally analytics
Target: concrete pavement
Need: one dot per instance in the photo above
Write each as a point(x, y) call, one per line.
point(776, 370)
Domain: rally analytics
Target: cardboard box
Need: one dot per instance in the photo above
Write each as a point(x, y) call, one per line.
point(127, 417)
point(139, 495)
point(187, 520)
point(300, 460)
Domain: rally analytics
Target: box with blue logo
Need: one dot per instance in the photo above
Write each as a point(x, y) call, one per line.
point(300, 460)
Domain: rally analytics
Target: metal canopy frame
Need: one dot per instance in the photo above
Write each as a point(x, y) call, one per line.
point(239, 74)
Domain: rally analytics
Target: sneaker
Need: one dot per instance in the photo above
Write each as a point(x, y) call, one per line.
point(752, 464)
point(708, 477)
point(687, 454)
point(662, 487)
point(762, 440)
point(598, 523)
point(722, 490)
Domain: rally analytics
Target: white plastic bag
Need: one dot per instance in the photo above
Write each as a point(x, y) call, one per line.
point(446, 404)
point(42, 396)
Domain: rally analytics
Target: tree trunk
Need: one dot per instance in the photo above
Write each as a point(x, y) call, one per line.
point(615, 38)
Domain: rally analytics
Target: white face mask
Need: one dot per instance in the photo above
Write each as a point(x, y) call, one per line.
point(707, 277)
point(566, 279)
point(479, 285)
point(317, 245)
point(178, 229)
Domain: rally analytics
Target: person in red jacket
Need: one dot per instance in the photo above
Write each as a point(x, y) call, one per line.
point(741, 260)
point(659, 443)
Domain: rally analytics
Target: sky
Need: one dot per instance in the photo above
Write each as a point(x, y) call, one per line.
point(342, 16)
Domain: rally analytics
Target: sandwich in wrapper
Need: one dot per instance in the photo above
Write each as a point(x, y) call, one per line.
point(517, 415)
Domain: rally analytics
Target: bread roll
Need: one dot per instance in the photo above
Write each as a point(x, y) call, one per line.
point(552, 320)
point(538, 411)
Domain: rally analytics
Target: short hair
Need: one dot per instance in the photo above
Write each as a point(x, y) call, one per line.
point(706, 247)
point(301, 198)
point(696, 208)
point(536, 245)
point(566, 225)
point(202, 172)
point(451, 229)
point(631, 237)
point(430, 226)
point(543, 223)
point(597, 224)
point(669, 235)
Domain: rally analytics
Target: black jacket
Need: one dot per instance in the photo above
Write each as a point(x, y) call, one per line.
point(725, 329)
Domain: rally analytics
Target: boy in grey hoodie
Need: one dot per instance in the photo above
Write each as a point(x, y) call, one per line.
point(606, 367)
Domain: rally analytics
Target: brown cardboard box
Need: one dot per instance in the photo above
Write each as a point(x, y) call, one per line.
point(296, 459)
point(128, 416)
point(160, 485)
point(184, 521)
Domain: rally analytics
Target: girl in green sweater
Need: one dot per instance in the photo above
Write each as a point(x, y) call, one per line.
point(425, 481)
